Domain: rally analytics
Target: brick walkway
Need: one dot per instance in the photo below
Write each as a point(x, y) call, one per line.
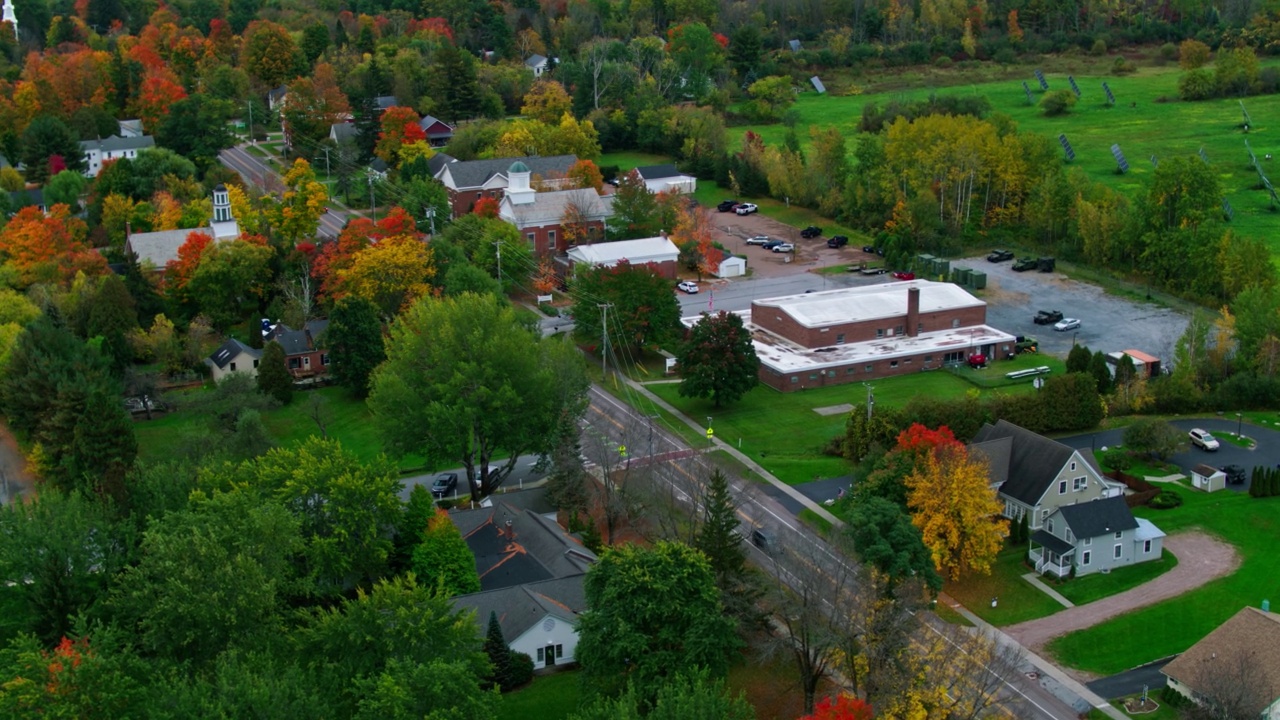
point(1201, 558)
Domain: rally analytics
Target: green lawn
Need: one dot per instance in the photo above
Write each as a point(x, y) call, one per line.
point(628, 160)
point(1147, 120)
point(1018, 600)
point(548, 697)
point(1083, 590)
point(1251, 525)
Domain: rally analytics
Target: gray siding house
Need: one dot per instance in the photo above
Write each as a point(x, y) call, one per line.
point(1094, 537)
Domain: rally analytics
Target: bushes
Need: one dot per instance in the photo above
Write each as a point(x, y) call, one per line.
point(1265, 482)
point(1057, 102)
point(1166, 500)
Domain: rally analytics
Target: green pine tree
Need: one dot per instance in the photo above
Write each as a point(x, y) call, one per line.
point(354, 340)
point(718, 536)
point(1255, 479)
point(495, 646)
point(1024, 530)
point(103, 446)
point(274, 379)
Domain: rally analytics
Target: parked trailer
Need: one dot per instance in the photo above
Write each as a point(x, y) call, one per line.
point(1029, 372)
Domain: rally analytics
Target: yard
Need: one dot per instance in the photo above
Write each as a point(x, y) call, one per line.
point(1251, 525)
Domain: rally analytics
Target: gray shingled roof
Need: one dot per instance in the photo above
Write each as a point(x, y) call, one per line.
point(160, 247)
point(228, 352)
point(1051, 541)
point(531, 549)
point(295, 342)
point(438, 161)
point(474, 173)
point(427, 121)
point(1034, 460)
point(342, 131)
point(115, 143)
point(1099, 517)
point(535, 60)
point(997, 454)
point(549, 208)
point(518, 608)
point(657, 172)
point(1247, 643)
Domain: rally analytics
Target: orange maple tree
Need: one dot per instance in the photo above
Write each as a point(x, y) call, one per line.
point(159, 90)
point(333, 259)
point(48, 248)
point(486, 207)
point(585, 174)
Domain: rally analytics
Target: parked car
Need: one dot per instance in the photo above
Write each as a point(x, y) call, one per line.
point(869, 249)
point(726, 205)
point(784, 248)
point(1235, 474)
point(812, 231)
point(1047, 317)
point(746, 208)
point(1026, 344)
point(837, 241)
point(1203, 440)
point(1000, 256)
point(771, 244)
point(904, 275)
point(1026, 264)
point(758, 240)
point(688, 286)
point(444, 484)
point(977, 361)
point(1067, 324)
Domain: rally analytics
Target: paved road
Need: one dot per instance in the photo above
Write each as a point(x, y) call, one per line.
point(527, 469)
point(1201, 558)
point(1131, 682)
point(263, 176)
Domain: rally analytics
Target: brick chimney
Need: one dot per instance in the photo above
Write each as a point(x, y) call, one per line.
point(913, 310)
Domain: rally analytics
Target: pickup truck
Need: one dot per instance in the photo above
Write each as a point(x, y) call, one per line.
point(1047, 317)
point(999, 256)
point(812, 231)
point(1026, 264)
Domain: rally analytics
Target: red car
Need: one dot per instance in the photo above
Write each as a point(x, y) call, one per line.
point(977, 361)
point(904, 275)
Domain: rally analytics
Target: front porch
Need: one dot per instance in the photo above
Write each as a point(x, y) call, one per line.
point(1054, 555)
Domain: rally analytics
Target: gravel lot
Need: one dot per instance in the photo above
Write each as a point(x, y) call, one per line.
point(1107, 323)
point(732, 231)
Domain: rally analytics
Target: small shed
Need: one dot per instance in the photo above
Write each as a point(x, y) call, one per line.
point(1208, 479)
point(732, 266)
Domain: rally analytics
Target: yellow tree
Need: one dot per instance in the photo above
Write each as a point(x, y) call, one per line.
point(248, 215)
point(304, 201)
point(573, 226)
point(956, 509)
point(168, 212)
point(117, 209)
point(391, 274)
point(547, 101)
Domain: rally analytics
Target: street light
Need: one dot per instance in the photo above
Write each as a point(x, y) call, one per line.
point(1238, 421)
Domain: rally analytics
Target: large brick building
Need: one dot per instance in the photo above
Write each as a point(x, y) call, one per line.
point(865, 333)
point(469, 181)
point(539, 215)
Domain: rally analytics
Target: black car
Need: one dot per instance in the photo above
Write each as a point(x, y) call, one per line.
point(1047, 317)
point(999, 256)
point(727, 206)
point(772, 244)
point(812, 231)
point(869, 249)
point(1026, 264)
point(1235, 474)
point(837, 241)
point(444, 484)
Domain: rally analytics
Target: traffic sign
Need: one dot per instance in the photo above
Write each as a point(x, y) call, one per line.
point(622, 450)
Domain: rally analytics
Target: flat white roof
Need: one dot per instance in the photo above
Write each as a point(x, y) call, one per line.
point(784, 356)
point(869, 302)
point(636, 252)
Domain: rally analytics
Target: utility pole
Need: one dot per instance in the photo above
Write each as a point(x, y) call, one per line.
point(604, 333)
point(498, 244)
point(326, 164)
point(250, 104)
point(871, 401)
point(431, 216)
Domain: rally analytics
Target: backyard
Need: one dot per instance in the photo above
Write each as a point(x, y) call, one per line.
point(1251, 525)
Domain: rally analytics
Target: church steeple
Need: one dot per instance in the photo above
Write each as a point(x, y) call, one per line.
point(10, 16)
point(224, 223)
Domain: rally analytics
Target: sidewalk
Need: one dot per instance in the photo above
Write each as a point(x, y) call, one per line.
point(742, 458)
point(1039, 585)
point(1068, 689)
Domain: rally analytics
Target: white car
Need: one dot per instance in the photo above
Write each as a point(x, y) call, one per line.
point(1067, 324)
point(784, 248)
point(688, 286)
point(1202, 439)
point(758, 240)
point(746, 208)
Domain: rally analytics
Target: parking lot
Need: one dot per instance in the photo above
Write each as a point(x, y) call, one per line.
point(1107, 323)
point(732, 231)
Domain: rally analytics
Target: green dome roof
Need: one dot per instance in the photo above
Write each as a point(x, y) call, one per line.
point(518, 166)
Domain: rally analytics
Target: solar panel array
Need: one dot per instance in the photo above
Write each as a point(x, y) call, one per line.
point(1074, 87)
point(1227, 210)
point(1204, 157)
point(1027, 90)
point(817, 85)
point(1120, 161)
point(1247, 121)
point(1253, 159)
point(1107, 89)
point(1044, 84)
point(1066, 148)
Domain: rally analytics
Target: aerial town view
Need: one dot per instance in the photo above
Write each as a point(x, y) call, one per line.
point(621, 359)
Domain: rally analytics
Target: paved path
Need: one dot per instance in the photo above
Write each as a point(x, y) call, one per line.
point(1201, 558)
point(1039, 585)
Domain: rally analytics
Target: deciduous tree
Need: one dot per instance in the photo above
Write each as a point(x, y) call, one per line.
point(442, 559)
point(48, 248)
point(268, 53)
point(355, 343)
point(392, 274)
point(643, 310)
point(546, 102)
point(718, 359)
point(231, 280)
point(399, 128)
point(952, 503)
point(274, 379)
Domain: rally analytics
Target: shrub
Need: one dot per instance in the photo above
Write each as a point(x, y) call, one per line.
point(1057, 102)
point(1122, 67)
point(942, 62)
point(1166, 500)
point(519, 672)
point(1099, 47)
point(1005, 56)
point(1168, 51)
point(1197, 84)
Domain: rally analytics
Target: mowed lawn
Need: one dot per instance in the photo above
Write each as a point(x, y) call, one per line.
point(1147, 120)
point(1251, 525)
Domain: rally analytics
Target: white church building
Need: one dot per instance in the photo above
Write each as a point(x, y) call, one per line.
point(155, 250)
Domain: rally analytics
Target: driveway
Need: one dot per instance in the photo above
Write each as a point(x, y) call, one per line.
point(1107, 322)
point(1201, 558)
point(1131, 682)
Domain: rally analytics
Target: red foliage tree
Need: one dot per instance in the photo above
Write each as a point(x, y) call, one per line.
point(434, 25)
point(399, 128)
point(159, 90)
point(845, 707)
point(180, 271)
point(48, 248)
point(919, 439)
point(486, 207)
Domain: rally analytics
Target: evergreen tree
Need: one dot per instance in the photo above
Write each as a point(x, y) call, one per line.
point(745, 48)
point(718, 536)
point(340, 39)
point(103, 446)
point(45, 138)
point(1024, 529)
point(567, 483)
point(1101, 372)
point(495, 646)
point(112, 317)
point(274, 379)
point(355, 343)
point(413, 523)
point(457, 89)
point(443, 559)
point(1078, 359)
point(1254, 479)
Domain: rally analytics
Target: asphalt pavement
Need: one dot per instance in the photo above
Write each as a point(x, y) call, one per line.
point(261, 175)
point(1131, 682)
point(525, 471)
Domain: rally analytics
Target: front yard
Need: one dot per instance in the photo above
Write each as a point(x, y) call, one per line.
point(1251, 525)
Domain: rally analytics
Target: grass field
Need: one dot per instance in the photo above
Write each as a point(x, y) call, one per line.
point(1084, 590)
point(549, 697)
point(1251, 525)
point(1141, 122)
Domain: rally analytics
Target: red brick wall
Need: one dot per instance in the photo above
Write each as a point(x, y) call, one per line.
point(880, 368)
point(463, 201)
point(317, 366)
point(542, 238)
point(780, 323)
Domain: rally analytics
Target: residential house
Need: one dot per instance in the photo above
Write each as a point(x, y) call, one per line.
point(384, 103)
point(438, 132)
point(531, 574)
point(303, 355)
point(865, 333)
point(540, 216)
point(666, 178)
point(1095, 536)
point(1146, 366)
point(157, 249)
point(276, 97)
point(231, 357)
point(1207, 478)
point(537, 63)
point(343, 132)
point(1035, 475)
point(99, 152)
point(1235, 668)
point(657, 252)
point(469, 181)
point(19, 199)
point(378, 168)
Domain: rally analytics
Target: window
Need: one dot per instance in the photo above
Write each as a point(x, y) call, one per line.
point(1080, 483)
point(255, 364)
point(1119, 534)
point(233, 367)
point(1070, 537)
point(840, 339)
point(1073, 465)
point(1050, 526)
point(919, 327)
point(1086, 557)
point(1088, 542)
point(928, 358)
point(955, 323)
point(898, 330)
point(1044, 513)
point(530, 238)
point(324, 358)
point(559, 651)
point(868, 368)
point(907, 361)
point(1117, 551)
point(831, 373)
point(551, 238)
point(813, 376)
point(1062, 487)
point(850, 370)
point(1146, 547)
point(879, 332)
point(540, 652)
point(794, 379)
point(479, 194)
point(893, 364)
point(293, 364)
